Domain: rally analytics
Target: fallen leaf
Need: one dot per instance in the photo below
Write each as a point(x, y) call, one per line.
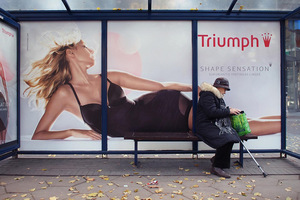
point(95, 194)
point(257, 194)
point(158, 191)
point(178, 181)
point(288, 189)
point(171, 185)
point(179, 192)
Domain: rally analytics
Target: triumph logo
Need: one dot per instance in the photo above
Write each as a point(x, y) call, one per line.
point(267, 39)
point(241, 42)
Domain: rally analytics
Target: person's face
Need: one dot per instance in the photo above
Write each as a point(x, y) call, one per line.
point(83, 54)
point(222, 91)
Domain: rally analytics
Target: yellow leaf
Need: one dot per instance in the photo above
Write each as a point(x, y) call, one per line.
point(32, 190)
point(257, 194)
point(23, 195)
point(101, 194)
point(288, 189)
point(53, 198)
point(44, 169)
point(95, 194)
point(171, 185)
point(195, 197)
point(19, 178)
point(90, 179)
point(179, 192)
point(178, 181)
point(158, 191)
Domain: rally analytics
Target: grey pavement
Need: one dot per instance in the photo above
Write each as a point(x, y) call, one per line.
point(67, 177)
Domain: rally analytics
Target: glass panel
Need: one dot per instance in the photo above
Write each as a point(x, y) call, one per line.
point(191, 5)
point(32, 5)
point(292, 51)
point(278, 5)
point(108, 5)
point(8, 83)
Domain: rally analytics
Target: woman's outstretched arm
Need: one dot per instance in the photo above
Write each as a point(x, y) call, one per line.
point(133, 82)
point(60, 101)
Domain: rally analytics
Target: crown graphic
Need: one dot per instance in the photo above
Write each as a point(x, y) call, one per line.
point(266, 38)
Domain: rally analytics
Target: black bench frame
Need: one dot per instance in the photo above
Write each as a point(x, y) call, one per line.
point(177, 137)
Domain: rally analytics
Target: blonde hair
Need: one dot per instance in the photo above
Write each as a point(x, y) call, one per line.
point(47, 74)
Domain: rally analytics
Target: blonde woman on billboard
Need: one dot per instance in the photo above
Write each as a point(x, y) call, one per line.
point(60, 81)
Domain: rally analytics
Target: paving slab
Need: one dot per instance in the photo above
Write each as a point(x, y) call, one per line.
point(115, 178)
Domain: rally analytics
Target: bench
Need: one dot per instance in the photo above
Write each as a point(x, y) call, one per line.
point(176, 137)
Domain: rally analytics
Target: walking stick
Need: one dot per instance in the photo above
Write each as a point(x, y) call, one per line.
point(253, 157)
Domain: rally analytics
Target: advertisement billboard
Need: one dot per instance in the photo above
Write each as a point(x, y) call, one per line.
point(248, 55)
point(52, 54)
point(149, 86)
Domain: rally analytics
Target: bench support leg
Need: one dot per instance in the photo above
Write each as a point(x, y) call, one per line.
point(241, 159)
point(136, 153)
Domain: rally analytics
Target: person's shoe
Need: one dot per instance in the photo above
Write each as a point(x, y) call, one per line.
point(219, 172)
point(212, 160)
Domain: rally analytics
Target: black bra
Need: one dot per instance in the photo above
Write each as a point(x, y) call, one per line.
point(91, 113)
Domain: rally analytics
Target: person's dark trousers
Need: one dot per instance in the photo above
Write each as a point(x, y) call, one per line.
point(222, 156)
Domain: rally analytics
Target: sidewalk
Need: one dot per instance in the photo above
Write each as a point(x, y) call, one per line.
point(158, 177)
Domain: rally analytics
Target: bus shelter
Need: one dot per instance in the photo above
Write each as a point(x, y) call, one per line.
point(255, 44)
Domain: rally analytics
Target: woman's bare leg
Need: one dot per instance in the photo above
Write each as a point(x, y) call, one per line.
point(264, 127)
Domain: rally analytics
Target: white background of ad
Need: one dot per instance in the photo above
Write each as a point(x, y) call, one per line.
point(257, 92)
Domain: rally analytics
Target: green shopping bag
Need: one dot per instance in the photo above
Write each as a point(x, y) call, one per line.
point(240, 123)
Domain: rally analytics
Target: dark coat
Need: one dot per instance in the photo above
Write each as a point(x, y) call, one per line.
point(213, 124)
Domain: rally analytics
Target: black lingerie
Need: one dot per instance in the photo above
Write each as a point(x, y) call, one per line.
point(164, 110)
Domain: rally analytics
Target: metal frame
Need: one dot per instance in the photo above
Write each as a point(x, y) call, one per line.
point(194, 17)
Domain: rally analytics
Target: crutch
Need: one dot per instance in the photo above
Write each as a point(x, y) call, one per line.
point(264, 173)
